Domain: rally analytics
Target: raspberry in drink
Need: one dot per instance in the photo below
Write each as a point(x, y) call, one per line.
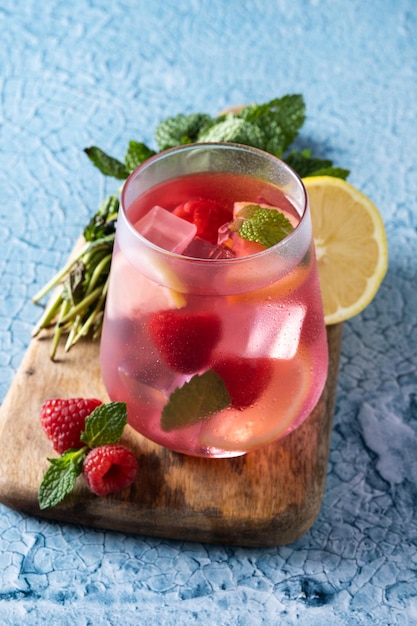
point(214, 332)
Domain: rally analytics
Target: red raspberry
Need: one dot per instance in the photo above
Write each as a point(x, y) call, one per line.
point(63, 421)
point(207, 215)
point(245, 378)
point(185, 340)
point(109, 468)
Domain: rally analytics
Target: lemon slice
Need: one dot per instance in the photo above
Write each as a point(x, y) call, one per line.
point(284, 287)
point(286, 400)
point(351, 246)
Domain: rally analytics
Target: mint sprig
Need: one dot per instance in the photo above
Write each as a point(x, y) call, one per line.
point(271, 126)
point(262, 225)
point(103, 426)
point(198, 399)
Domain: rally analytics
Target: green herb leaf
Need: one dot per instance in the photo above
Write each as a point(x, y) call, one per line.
point(234, 129)
point(137, 153)
point(181, 129)
point(336, 172)
point(105, 424)
point(59, 479)
point(104, 220)
point(200, 398)
point(306, 165)
point(265, 226)
point(107, 165)
point(73, 286)
point(280, 119)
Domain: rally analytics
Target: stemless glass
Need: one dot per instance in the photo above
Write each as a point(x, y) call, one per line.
point(219, 355)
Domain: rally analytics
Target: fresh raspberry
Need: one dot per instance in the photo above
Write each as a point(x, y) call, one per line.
point(185, 340)
point(109, 468)
point(245, 378)
point(63, 420)
point(207, 215)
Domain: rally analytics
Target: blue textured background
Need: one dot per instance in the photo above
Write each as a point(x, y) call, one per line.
point(88, 72)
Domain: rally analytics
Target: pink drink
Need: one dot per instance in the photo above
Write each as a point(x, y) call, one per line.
point(239, 333)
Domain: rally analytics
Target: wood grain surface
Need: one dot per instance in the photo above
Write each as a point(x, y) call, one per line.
point(268, 497)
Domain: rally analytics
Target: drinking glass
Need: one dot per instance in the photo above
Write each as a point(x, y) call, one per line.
point(217, 347)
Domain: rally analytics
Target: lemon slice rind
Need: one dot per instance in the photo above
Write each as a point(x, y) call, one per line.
point(351, 246)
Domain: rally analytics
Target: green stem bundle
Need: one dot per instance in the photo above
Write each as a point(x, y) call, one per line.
point(77, 307)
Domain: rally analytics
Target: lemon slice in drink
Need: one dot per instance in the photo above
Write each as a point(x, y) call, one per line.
point(351, 246)
point(269, 419)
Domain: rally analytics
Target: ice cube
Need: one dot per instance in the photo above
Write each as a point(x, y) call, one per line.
point(201, 249)
point(225, 235)
point(166, 230)
point(278, 338)
point(263, 332)
point(230, 239)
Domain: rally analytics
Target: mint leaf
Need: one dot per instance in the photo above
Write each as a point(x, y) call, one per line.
point(280, 120)
point(336, 172)
point(107, 165)
point(234, 129)
point(201, 397)
point(59, 479)
point(137, 153)
point(265, 226)
point(104, 219)
point(307, 165)
point(105, 424)
point(181, 129)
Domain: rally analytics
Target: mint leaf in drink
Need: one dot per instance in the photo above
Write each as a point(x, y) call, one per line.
point(105, 424)
point(265, 226)
point(59, 479)
point(181, 129)
point(109, 166)
point(137, 153)
point(200, 398)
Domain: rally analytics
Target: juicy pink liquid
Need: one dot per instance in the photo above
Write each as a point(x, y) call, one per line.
point(282, 323)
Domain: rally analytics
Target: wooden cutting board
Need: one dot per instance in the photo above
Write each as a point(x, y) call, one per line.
point(268, 497)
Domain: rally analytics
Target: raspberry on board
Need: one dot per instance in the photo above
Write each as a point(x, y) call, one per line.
point(109, 468)
point(63, 420)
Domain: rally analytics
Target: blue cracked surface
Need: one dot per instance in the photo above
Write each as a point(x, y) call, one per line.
point(93, 72)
